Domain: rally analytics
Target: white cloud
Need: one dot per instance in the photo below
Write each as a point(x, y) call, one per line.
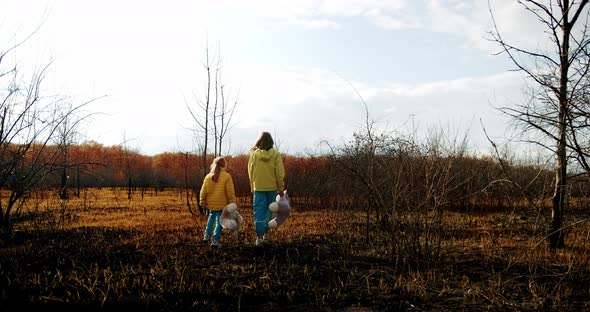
point(472, 19)
point(315, 23)
point(467, 18)
point(445, 19)
point(316, 14)
point(349, 8)
point(393, 23)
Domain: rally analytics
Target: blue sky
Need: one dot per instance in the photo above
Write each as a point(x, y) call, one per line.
point(427, 61)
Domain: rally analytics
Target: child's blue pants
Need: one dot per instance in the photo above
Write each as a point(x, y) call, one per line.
point(262, 214)
point(213, 225)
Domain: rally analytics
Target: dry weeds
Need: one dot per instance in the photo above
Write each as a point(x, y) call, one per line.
point(103, 251)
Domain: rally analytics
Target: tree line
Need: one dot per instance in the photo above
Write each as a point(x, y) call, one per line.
point(346, 177)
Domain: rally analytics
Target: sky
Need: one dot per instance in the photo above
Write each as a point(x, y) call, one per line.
point(301, 70)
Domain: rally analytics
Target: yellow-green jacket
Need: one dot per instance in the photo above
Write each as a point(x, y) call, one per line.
point(266, 170)
point(216, 195)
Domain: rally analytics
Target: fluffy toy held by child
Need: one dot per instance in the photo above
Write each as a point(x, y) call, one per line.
point(280, 209)
point(230, 218)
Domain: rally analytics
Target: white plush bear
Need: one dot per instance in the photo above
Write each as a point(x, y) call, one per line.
point(231, 219)
point(280, 209)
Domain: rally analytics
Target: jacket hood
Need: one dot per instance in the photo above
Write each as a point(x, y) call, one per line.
point(265, 155)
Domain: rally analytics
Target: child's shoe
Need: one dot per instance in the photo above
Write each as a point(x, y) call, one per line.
point(259, 242)
point(215, 243)
point(206, 238)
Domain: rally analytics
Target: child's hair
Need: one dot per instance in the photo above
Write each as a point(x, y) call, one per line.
point(264, 142)
point(218, 163)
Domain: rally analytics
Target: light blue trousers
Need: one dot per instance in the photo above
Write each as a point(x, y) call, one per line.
point(213, 225)
point(262, 214)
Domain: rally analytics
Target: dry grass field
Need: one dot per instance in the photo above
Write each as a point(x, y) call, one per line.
point(104, 252)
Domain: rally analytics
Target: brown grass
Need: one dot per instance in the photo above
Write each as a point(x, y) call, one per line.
point(103, 251)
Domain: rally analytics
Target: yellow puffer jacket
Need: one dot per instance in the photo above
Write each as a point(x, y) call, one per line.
point(266, 170)
point(216, 195)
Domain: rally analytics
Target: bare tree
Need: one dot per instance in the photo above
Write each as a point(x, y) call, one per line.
point(129, 158)
point(29, 122)
point(201, 117)
point(65, 138)
point(559, 77)
point(64, 144)
point(213, 112)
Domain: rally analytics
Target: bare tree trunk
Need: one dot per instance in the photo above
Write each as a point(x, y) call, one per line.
point(63, 194)
point(560, 191)
point(216, 152)
point(186, 186)
point(64, 134)
point(78, 181)
point(207, 104)
point(129, 188)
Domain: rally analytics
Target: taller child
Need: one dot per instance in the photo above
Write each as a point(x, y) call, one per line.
point(266, 173)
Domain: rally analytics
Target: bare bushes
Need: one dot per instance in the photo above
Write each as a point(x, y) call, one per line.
point(407, 189)
point(403, 186)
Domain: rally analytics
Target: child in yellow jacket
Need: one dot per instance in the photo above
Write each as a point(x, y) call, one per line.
point(266, 173)
point(217, 192)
